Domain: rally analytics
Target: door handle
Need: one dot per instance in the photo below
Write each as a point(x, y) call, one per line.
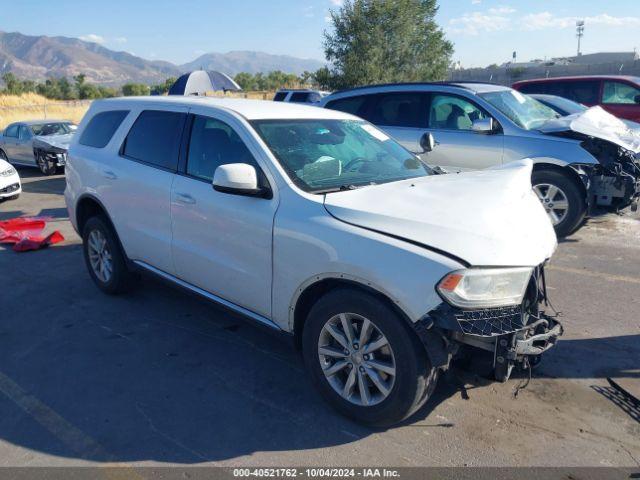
point(185, 198)
point(109, 174)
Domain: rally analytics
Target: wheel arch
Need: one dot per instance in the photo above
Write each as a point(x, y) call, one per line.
point(562, 168)
point(311, 290)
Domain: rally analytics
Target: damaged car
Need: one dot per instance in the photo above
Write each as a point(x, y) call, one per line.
point(37, 143)
point(318, 225)
point(577, 166)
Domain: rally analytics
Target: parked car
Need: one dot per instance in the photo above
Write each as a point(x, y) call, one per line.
point(480, 125)
point(37, 143)
point(10, 186)
point(305, 96)
point(617, 94)
point(319, 226)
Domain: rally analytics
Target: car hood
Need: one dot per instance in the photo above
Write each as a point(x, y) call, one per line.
point(596, 122)
point(57, 141)
point(485, 218)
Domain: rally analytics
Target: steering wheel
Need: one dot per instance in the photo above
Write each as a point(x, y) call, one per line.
point(349, 167)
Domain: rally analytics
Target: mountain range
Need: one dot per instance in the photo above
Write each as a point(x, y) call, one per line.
point(38, 57)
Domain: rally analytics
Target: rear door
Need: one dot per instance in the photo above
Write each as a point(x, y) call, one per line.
point(458, 147)
point(137, 184)
point(222, 242)
point(621, 99)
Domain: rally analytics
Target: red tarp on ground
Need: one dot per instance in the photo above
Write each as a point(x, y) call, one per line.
point(26, 233)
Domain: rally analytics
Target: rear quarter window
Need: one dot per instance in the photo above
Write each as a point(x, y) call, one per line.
point(154, 138)
point(101, 128)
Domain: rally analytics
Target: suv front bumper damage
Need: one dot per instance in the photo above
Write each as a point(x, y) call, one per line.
point(515, 335)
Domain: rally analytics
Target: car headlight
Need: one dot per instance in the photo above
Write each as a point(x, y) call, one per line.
point(8, 172)
point(485, 287)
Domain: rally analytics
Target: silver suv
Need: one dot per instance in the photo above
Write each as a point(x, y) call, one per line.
point(480, 125)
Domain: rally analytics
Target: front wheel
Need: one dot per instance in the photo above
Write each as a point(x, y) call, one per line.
point(46, 166)
point(561, 198)
point(364, 359)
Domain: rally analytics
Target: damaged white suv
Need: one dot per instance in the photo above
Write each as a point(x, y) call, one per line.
point(318, 225)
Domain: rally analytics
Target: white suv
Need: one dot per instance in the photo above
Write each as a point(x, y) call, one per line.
point(317, 224)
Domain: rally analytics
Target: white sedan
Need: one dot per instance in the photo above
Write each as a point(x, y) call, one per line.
point(10, 186)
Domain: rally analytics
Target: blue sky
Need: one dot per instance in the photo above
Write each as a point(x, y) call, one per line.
point(483, 31)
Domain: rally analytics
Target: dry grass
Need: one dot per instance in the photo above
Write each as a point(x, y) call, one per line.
point(30, 106)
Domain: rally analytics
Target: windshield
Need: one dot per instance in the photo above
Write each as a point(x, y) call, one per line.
point(322, 156)
point(56, 128)
point(524, 111)
point(563, 105)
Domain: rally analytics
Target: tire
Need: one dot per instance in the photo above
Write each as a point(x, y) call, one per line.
point(407, 390)
point(566, 187)
point(119, 278)
point(45, 166)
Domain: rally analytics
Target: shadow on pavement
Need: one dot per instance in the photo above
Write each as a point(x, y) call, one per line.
point(161, 375)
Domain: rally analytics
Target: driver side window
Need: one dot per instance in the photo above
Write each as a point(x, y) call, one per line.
point(23, 133)
point(449, 112)
point(214, 143)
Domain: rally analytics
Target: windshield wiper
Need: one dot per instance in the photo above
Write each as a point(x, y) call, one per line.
point(341, 188)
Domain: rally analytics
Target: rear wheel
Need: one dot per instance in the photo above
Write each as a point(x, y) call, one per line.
point(103, 256)
point(561, 198)
point(364, 359)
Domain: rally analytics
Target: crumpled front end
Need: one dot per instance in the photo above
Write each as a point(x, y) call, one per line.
point(515, 335)
point(53, 149)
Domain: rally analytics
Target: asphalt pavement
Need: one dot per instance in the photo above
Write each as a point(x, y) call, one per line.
point(160, 377)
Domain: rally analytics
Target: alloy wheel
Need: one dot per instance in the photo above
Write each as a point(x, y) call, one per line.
point(357, 359)
point(554, 201)
point(100, 256)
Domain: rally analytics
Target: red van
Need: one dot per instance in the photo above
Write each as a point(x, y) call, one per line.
point(617, 94)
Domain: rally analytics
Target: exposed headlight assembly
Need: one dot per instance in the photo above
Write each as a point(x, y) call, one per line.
point(8, 172)
point(485, 287)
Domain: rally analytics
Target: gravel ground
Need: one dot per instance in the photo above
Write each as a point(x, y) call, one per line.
point(159, 377)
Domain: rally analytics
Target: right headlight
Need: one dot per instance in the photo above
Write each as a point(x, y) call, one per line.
point(485, 287)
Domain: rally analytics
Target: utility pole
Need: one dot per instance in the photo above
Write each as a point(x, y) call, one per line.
point(579, 33)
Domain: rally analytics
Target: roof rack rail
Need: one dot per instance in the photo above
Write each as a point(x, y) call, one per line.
point(399, 84)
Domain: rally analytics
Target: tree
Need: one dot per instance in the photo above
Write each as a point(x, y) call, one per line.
point(135, 89)
point(164, 87)
point(378, 41)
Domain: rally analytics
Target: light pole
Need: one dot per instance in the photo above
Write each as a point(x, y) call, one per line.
point(579, 33)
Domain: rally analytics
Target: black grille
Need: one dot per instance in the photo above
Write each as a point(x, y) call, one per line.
point(11, 188)
point(491, 321)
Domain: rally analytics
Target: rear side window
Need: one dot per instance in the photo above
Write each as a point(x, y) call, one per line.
point(533, 88)
point(101, 128)
point(399, 109)
point(280, 96)
point(154, 138)
point(352, 105)
point(299, 97)
point(582, 91)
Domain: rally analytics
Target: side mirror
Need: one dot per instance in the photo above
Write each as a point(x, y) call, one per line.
point(427, 142)
point(637, 99)
point(483, 125)
point(237, 179)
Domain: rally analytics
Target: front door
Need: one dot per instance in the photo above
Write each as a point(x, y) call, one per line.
point(458, 147)
point(23, 151)
point(222, 242)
